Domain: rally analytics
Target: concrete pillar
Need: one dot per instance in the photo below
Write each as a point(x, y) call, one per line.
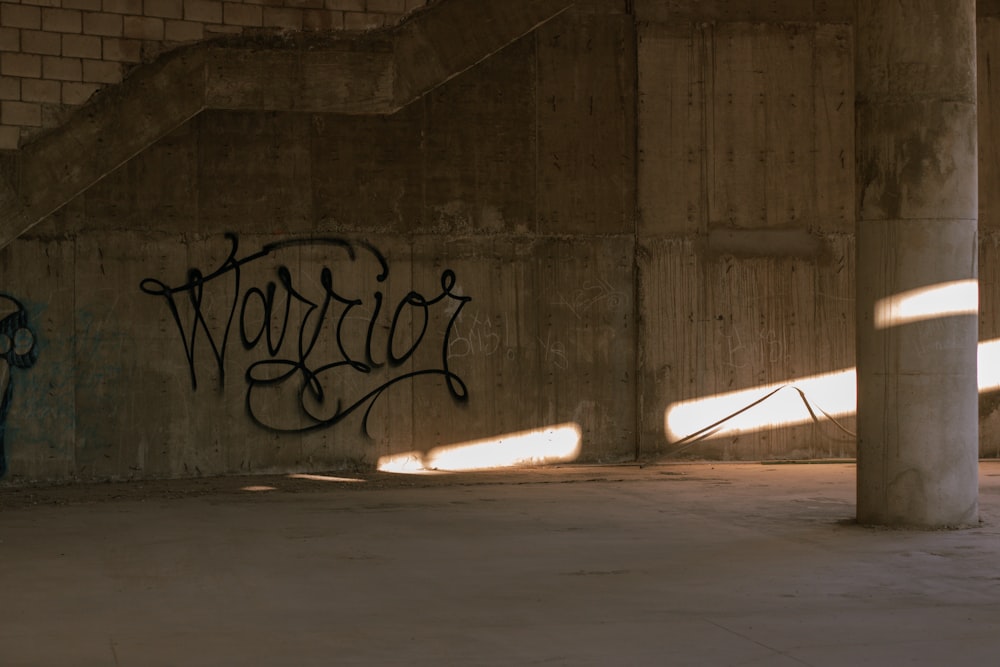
point(918, 426)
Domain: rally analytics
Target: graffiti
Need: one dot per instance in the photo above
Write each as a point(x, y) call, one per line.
point(327, 350)
point(479, 335)
point(589, 296)
point(762, 349)
point(17, 350)
point(554, 352)
point(483, 335)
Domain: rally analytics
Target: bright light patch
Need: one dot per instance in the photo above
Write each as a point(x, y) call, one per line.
point(258, 488)
point(554, 444)
point(409, 463)
point(960, 297)
point(325, 478)
point(834, 394)
point(989, 365)
point(829, 395)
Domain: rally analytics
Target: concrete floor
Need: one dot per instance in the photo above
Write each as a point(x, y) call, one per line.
point(688, 564)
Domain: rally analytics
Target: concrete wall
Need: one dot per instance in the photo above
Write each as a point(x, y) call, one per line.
point(458, 270)
point(988, 46)
point(746, 200)
point(746, 226)
point(606, 215)
point(55, 54)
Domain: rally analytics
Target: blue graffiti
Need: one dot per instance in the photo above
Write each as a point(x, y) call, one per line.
point(17, 350)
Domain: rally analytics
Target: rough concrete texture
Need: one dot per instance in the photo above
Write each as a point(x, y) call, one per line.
point(988, 41)
point(645, 209)
point(745, 199)
point(55, 55)
point(918, 436)
point(390, 283)
point(362, 74)
point(724, 564)
point(745, 11)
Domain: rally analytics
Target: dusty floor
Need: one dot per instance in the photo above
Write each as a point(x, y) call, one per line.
point(688, 564)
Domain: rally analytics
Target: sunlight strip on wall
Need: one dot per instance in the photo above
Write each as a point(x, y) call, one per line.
point(959, 297)
point(833, 393)
point(553, 444)
point(989, 365)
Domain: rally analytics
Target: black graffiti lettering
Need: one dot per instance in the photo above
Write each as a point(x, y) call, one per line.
point(448, 280)
point(328, 320)
point(371, 331)
point(417, 301)
point(327, 281)
point(266, 303)
point(267, 319)
point(194, 290)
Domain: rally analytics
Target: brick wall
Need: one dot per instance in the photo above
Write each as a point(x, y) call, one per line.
point(55, 54)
